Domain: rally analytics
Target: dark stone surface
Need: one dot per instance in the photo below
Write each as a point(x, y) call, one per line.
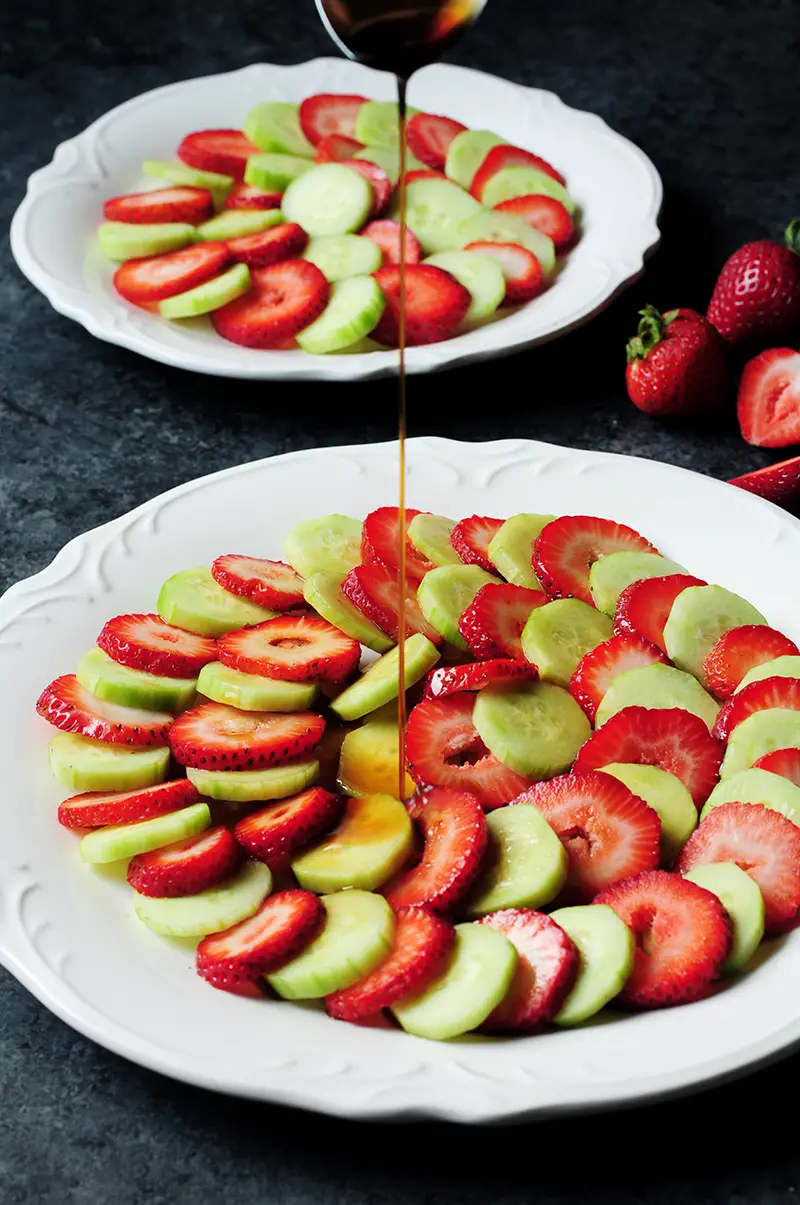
point(88, 431)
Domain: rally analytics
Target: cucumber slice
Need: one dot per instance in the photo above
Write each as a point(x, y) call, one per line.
point(388, 158)
point(741, 898)
point(237, 223)
point(667, 796)
point(120, 841)
point(251, 692)
point(372, 841)
point(211, 911)
point(606, 949)
point(659, 686)
point(430, 535)
point(526, 864)
point(779, 667)
point(757, 786)
point(193, 600)
point(491, 226)
point(478, 975)
point(209, 296)
point(358, 934)
point(534, 728)
point(323, 592)
point(273, 172)
point(558, 635)
point(480, 276)
point(369, 759)
point(329, 544)
point(467, 152)
point(255, 786)
point(524, 181)
point(275, 126)
point(124, 240)
point(328, 199)
point(353, 310)
point(380, 682)
point(174, 172)
point(341, 255)
point(511, 548)
point(444, 595)
point(612, 574)
point(88, 765)
point(378, 123)
point(762, 732)
point(699, 616)
point(436, 211)
point(106, 679)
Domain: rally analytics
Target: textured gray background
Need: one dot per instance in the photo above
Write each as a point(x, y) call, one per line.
point(87, 431)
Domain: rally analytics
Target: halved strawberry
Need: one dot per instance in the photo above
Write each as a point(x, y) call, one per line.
point(509, 156)
point(335, 147)
point(778, 483)
point(278, 932)
point(443, 749)
point(160, 276)
point(284, 299)
point(213, 736)
point(72, 708)
point(452, 679)
point(268, 583)
point(380, 541)
point(386, 233)
point(740, 650)
point(187, 867)
point(429, 137)
point(566, 549)
point(286, 241)
point(422, 942)
point(599, 668)
point(375, 590)
point(682, 937)
point(377, 178)
point(93, 809)
point(492, 624)
point(608, 832)
point(672, 739)
point(643, 607)
point(192, 205)
point(436, 304)
point(275, 833)
point(785, 762)
point(147, 643)
point(247, 196)
point(546, 970)
point(758, 696)
point(328, 113)
point(296, 648)
point(424, 174)
point(471, 538)
point(521, 269)
point(454, 830)
point(545, 214)
point(768, 403)
point(225, 151)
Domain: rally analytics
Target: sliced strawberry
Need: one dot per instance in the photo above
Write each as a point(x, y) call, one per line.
point(566, 549)
point(429, 137)
point(492, 624)
point(452, 679)
point(147, 643)
point(284, 299)
point(436, 304)
point(335, 147)
point(146, 280)
point(503, 156)
point(471, 538)
point(72, 708)
point(296, 648)
point(275, 833)
point(672, 739)
point(187, 867)
point(375, 590)
point(225, 151)
point(785, 762)
point(378, 179)
point(599, 668)
point(521, 269)
point(247, 196)
point(278, 932)
point(326, 114)
point(443, 749)
point(546, 970)
point(740, 650)
point(643, 607)
point(380, 541)
point(682, 937)
point(778, 483)
point(93, 809)
point(454, 830)
point(758, 696)
point(286, 241)
point(422, 942)
point(424, 174)
point(545, 214)
point(386, 233)
point(268, 583)
point(216, 737)
point(768, 403)
point(192, 205)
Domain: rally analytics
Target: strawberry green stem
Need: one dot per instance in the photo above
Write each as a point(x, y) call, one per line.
point(793, 235)
point(652, 326)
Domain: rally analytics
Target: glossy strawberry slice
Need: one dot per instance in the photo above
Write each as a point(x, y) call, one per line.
point(93, 809)
point(284, 298)
point(328, 113)
point(268, 583)
point(768, 403)
point(643, 607)
point(147, 643)
point(566, 549)
point(278, 932)
point(424, 173)
point(785, 762)
point(296, 648)
point(142, 281)
point(545, 214)
point(452, 679)
point(546, 970)
point(375, 590)
point(187, 867)
point(436, 305)
point(377, 178)
point(471, 538)
point(275, 833)
point(429, 137)
point(247, 196)
point(192, 205)
point(521, 269)
point(72, 708)
point(335, 147)
point(778, 483)
point(216, 737)
point(503, 156)
point(740, 650)
point(286, 241)
point(386, 233)
point(225, 151)
point(380, 541)
point(599, 668)
point(492, 624)
point(453, 827)
point(758, 696)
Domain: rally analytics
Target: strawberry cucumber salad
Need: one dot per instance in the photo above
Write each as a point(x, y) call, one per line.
point(602, 771)
point(287, 233)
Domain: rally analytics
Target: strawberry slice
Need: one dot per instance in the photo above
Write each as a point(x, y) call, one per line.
point(423, 173)
point(142, 281)
point(72, 708)
point(643, 607)
point(436, 304)
point(225, 151)
point(192, 205)
point(278, 932)
point(216, 737)
point(503, 156)
point(768, 403)
point(521, 269)
point(546, 970)
point(326, 114)
point(740, 650)
point(452, 679)
point(147, 643)
point(682, 937)
point(187, 867)
point(268, 583)
point(599, 668)
point(492, 624)
point(429, 138)
point(545, 214)
point(758, 696)
point(286, 241)
point(471, 538)
point(443, 749)
point(778, 483)
point(336, 147)
point(785, 762)
point(608, 832)
point(672, 739)
point(284, 299)
point(247, 196)
point(377, 177)
point(380, 542)
point(296, 648)
point(274, 834)
point(386, 233)
point(453, 827)
point(375, 590)
point(93, 809)
point(422, 942)
point(566, 549)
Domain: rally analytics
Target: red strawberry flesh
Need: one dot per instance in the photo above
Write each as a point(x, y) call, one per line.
point(286, 241)
point(429, 138)
point(380, 542)
point(192, 205)
point(70, 707)
point(326, 113)
point(284, 299)
point(295, 648)
point(778, 483)
point(566, 549)
point(335, 147)
point(224, 151)
point(768, 402)
point(600, 667)
point(492, 624)
point(142, 281)
point(453, 827)
point(375, 589)
point(146, 642)
point(785, 762)
point(279, 931)
point(274, 834)
point(247, 196)
point(377, 179)
point(453, 679)
point(500, 157)
point(386, 233)
point(740, 650)
point(762, 695)
point(436, 304)
point(214, 736)
point(545, 214)
point(471, 538)
point(546, 969)
point(187, 867)
point(268, 583)
point(643, 607)
point(94, 809)
point(521, 269)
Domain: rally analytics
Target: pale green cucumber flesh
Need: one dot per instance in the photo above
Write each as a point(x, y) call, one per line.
point(444, 595)
point(511, 548)
point(779, 667)
point(193, 600)
point(255, 786)
point(372, 842)
point(175, 172)
point(339, 256)
point(380, 682)
point(521, 181)
point(480, 276)
point(353, 310)
point(388, 158)
point(761, 733)
point(612, 574)
point(558, 636)
point(378, 123)
point(430, 535)
point(323, 591)
point(669, 799)
point(660, 686)
point(211, 911)
point(252, 692)
point(741, 898)
point(699, 616)
point(119, 841)
point(467, 152)
point(274, 172)
point(89, 765)
point(757, 786)
point(328, 199)
point(274, 125)
point(123, 240)
point(606, 948)
point(525, 864)
point(435, 211)
point(106, 679)
point(493, 226)
point(330, 544)
point(237, 223)
point(209, 296)
point(535, 728)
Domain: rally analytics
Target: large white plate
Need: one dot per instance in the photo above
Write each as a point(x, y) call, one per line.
point(52, 235)
point(68, 933)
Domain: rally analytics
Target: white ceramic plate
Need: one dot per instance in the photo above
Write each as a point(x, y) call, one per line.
point(52, 235)
point(69, 934)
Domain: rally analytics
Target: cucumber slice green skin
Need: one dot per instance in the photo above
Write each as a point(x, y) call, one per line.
point(380, 683)
point(430, 535)
point(612, 574)
point(435, 212)
point(669, 799)
point(524, 181)
point(444, 595)
point(511, 548)
point(762, 732)
point(494, 226)
point(526, 865)
point(237, 223)
point(606, 947)
point(328, 199)
point(369, 757)
point(251, 692)
point(480, 276)
point(329, 544)
point(374, 839)
point(210, 911)
point(757, 786)
point(106, 679)
point(122, 240)
point(741, 898)
point(209, 296)
point(659, 686)
point(275, 126)
point(274, 172)
point(467, 152)
point(89, 765)
point(193, 600)
point(354, 309)
point(121, 841)
point(378, 123)
point(779, 667)
point(699, 616)
point(339, 256)
point(255, 786)
point(175, 172)
point(558, 635)
point(535, 728)
point(323, 592)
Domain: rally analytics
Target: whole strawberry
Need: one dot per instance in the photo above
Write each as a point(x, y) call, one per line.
point(677, 364)
point(756, 300)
